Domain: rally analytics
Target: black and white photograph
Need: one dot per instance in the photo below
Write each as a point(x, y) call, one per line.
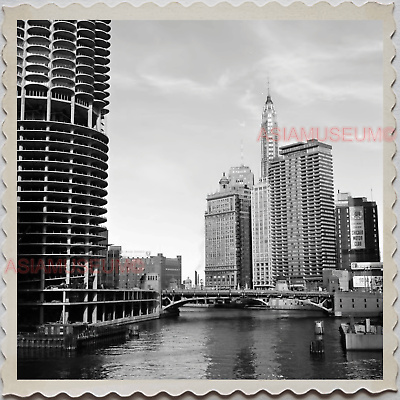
point(201, 200)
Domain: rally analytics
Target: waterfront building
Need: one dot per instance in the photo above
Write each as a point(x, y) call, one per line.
point(367, 276)
point(169, 270)
point(293, 223)
point(62, 146)
point(357, 233)
point(263, 277)
point(228, 231)
point(302, 219)
point(335, 279)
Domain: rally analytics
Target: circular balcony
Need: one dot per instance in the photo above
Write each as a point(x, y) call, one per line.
point(64, 35)
point(37, 30)
point(102, 43)
point(34, 89)
point(37, 59)
point(63, 73)
point(85, 60)
point(39, 22)
point(100, 95)
point(38, 50)
point(84, 69)
point(86, 33)
point(34, 77)
point(100, 60)
point(103, 25)
point(101, 34)
point(99, 103)
point(85, 24)
point(63, 83)
point(82, 86)
point(102, 52)
point(85, 51)
point(41, 41)
point(101, 86)
point(101, 77)
point(63, 63)
point(83, 95)
point(64, 54)
point(62, 43)
point(85, 78)
point(65, 25)
point(101, 69)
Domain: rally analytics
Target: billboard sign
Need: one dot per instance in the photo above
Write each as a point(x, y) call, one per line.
point(357, 230)
point(371, 282)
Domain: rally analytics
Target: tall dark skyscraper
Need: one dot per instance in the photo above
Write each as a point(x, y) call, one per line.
point(357, 233)
point(62, 74)
point(228, 231)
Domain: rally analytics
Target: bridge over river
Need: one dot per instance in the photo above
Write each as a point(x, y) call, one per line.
point(274, 299)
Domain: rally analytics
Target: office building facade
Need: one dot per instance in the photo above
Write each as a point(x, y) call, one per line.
point(228, 231)
point(293, 221)
point(357, 232)
point(302, 213)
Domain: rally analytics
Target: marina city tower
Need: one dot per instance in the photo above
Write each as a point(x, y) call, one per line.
point(62, 74)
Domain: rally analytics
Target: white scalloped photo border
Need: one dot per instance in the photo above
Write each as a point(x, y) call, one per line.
point(175, 11)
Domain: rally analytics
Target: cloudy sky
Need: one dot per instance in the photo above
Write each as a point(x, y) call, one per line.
point(185, 94)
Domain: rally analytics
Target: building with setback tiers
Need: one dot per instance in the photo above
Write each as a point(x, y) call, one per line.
point(228, 231)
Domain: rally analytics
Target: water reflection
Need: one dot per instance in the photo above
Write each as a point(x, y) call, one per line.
point(212, 344)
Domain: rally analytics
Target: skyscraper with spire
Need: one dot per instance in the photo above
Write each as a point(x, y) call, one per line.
point(269, 137)
point(293, 221)
point(263, 277)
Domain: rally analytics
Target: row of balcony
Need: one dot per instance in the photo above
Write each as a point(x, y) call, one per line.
point(100, 140)
point(48, 163)
point(50, 140)
point(62, 152)
point(71, 195)
point(68, 202)
point(61, 182)
point(57, 221)
point(61, 212)
point(43, 170)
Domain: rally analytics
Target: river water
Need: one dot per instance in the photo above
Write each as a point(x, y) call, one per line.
point(213, 344)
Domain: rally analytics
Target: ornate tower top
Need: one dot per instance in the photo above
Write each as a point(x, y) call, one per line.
point(269, 138)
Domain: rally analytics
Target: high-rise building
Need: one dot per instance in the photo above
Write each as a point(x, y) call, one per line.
point(263, 277)
point(357, 233)
point(268, 135)
point(62, 74)
point(293, 223)
point(302, 213)
point(228, 231)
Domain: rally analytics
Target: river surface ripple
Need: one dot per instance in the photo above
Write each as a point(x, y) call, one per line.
point(212, 344)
